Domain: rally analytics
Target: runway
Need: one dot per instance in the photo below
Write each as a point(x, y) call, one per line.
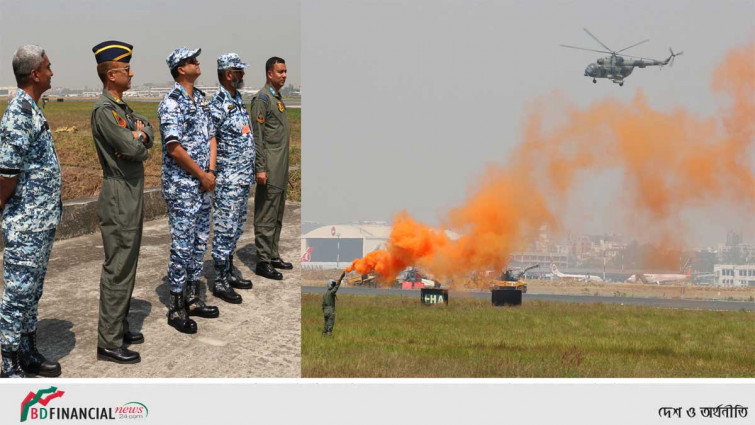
point(645, 302)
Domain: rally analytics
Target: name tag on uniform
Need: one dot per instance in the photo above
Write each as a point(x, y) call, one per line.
point(245, 129)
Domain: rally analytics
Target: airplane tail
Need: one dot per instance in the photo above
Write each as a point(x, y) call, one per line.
point(554, 269)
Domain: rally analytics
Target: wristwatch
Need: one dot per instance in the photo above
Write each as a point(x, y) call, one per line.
point(141, 137)
point(214, 172)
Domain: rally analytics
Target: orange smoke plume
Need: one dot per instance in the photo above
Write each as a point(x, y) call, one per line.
point(671, 161)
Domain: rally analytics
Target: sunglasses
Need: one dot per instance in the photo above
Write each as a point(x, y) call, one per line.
point(192, 61)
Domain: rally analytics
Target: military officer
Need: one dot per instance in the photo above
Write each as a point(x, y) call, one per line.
point(235, 170)
point(121, 138)
point(329, 306)
point(188, 177)
point(271, 139)
point(30, 200)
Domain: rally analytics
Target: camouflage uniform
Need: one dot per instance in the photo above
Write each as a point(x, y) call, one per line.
point(30, 216)
point(187, 122)
point(235, 168)
point(329, 308)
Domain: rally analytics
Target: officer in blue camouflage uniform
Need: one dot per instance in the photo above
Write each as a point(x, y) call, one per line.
point(30, 199)
point(235, 170)
point(189, 150)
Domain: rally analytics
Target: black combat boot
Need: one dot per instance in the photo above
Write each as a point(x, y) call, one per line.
point(11, 367)
point(32, 361)
point(194, 304)
point(177, 315)
point(222, 289)
point(235, 279)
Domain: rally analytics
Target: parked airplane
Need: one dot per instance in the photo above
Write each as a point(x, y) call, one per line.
point(658, 278)
point(578, 277)
point(667, 277)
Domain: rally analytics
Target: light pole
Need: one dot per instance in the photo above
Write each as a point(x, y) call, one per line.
point(338, 254)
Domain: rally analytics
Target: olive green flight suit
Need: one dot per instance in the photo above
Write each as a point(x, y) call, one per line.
point(120, 210)
point(329, 308)
point(271, 140)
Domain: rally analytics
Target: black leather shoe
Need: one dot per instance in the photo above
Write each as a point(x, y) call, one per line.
point(118, 355)
point(237, 283)
point(177, 315)
point(194, 304)
point(133, 337)
point(280, 264)
point(223, 290)
point(32, 361)
point(236, 279)
point(266, 270)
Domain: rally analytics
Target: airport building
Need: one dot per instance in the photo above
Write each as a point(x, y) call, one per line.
point(8, 91)
point(336, 246)
point(734, 275)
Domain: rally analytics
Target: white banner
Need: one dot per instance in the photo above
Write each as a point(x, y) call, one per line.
point(444, 401)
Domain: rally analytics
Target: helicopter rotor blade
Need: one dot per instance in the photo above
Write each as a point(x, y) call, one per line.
point(589, 50)
point(596, 39)
point(635, 44)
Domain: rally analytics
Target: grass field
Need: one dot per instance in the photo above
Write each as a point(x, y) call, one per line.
point(82, 177)
point(398, 337)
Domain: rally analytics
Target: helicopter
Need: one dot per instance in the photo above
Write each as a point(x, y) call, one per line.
point(617, 67)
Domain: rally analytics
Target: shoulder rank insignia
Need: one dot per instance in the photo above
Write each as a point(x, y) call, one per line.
point(121, 122)
point(260, 118)
point(231, 106)
point(280, 106)
point(26, 107)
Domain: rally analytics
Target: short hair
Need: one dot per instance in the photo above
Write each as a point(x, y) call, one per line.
point(174, 71)
point(27, 58)
point(271, 62)
point(103, 68)
point(221, 75)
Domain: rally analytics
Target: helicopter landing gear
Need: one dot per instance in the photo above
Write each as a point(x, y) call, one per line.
point(594, 81)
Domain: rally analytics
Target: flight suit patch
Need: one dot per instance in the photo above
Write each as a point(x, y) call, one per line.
point(121, 122)
point(280, 106)
point(260, 118)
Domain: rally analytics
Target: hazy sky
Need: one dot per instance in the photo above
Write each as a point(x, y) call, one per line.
point(68, 30)
point(406, 102)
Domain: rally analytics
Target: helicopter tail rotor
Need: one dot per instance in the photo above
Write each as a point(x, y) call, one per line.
point(673, 56)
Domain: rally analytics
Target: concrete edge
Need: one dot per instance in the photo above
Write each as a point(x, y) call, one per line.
point(80, 215)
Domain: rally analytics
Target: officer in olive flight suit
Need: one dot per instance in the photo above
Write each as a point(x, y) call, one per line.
point(329, 306)
point(121, 138)
point(271, 139)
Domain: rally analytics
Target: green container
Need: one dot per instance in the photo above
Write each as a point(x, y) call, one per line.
point(430, 296)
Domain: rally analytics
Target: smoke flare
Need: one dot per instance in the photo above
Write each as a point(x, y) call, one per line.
point(671, 161)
